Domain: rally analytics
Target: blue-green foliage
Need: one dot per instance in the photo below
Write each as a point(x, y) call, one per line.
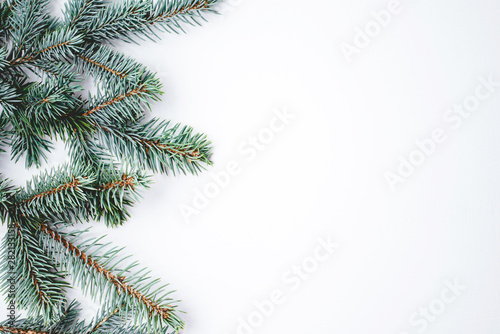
point(44, 63)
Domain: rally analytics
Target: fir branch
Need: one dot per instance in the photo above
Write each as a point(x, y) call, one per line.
point(114, 194)
point(115, 20)
point(114, 287)
point(127, 100)
point(102, 193)
point(60, 44)
point(110, 320)
point(140, 18)
point(100, 65)
point(64, 322)
point(111, 102)
point(53, 192)
point(170, 14)
point(48, 101)
point(116, 321)
point(157, 146)
point(104, 64)
point(39, 288)
point(51, 99)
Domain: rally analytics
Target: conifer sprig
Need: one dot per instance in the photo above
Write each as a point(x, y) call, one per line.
point(44, 64)
point(126, 101)
point(137, 18)
point(53, 192)
point(111, 319)
point(39, 287)
point(60, 44)
point(91, 258)
point(105, 64)
point(159, 147)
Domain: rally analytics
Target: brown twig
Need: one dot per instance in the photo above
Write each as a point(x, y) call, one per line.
point(93, 62)
point(14, 330)
point(194, 154)
point(135, 91)
point(32, 57)
point(198, 6)
point(126, 181)
point(73, 184)
point(106, 319)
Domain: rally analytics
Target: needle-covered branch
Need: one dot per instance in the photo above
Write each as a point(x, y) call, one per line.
point(125, 101)
point(39, 288)
point(73, 195)
point(111, 319)
point(114, 193)
point(54, 192)
point(66, 322)
point(60, 44)
point(136, 18)
point(45, 64)
point(95, 268)
point(157, 146)
point(47, 102)
point(105, 64)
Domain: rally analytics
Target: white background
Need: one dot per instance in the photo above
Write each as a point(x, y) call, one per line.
point(323, 175)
